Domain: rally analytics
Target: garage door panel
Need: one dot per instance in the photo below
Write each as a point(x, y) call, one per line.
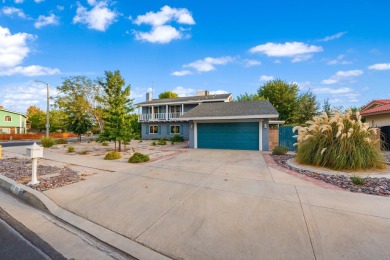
point(238, 136)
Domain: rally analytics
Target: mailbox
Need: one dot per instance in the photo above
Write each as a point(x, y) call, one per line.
point(35, 151)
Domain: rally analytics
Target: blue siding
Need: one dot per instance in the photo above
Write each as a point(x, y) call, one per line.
point(235, 136)
point(164, 130)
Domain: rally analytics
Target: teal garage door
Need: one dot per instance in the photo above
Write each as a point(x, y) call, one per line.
point(236, 136)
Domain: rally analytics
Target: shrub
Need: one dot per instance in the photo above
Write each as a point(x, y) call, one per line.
point(47, 142)
point(339, 142)
point(61, 141)
point(177, 138)
point(154, 143)
point(357, 180)
point(84, 152)
point(280, 150)
point(161, 142)
point(92, 139)
point(112, 156)
point(105, 143)
point(139, 158)
point(71, 149)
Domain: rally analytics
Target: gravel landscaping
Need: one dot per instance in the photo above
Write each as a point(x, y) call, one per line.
point(50, 177)
point(374, 186)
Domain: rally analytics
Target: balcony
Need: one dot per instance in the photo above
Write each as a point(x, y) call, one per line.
point(159, 117)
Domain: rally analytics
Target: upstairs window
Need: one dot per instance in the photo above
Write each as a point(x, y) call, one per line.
point(7, 119)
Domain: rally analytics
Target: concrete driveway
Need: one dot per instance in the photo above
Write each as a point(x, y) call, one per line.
point(217, 204)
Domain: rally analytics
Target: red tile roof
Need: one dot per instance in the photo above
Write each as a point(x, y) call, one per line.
point(382, 106)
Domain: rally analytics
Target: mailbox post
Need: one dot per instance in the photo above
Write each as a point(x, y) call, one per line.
point(34, 152)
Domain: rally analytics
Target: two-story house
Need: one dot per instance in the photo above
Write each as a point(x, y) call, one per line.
point(208, 121)
point(12, 122)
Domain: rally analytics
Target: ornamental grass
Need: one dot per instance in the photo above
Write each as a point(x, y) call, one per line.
point(339, 142)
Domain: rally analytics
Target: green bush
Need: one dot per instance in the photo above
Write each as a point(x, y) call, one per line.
point(339, 143)
point(280, 150)
point(112, 156)
point(154, 143)
point(139, 158)
point(357, 180)
point(161, 142)
point(92, 139)
point(177, 139)
point(84, 152)
point(71, 149)
point(105, 143)
point(61, 141)
point(47, 142)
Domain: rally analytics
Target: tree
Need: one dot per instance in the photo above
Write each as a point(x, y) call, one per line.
point(31, 110)
point(307, 108)
point(117, 108)
point(58, 120)
point(79, 123)
point(283, 96)
point(168, 94)
point(37, 118)
point(247, 97)
point(86, 92)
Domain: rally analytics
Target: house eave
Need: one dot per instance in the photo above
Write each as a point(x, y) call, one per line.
point(231, 117)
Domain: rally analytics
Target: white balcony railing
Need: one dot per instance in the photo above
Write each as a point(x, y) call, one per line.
point(159, 116)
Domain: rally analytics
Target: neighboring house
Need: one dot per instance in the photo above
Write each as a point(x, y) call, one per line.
point(377, 114)
point(12, 122)
point(209, 121)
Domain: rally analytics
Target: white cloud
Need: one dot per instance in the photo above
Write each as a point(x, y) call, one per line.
point(60, 7)
point(13, 47)
point(342, 76)
point(266, 78)
point(10, 11)
point(33, 70)
point(277, 62)
point(332, 90)
point(161, 32)
point(339, 60)
point(208, 64)
point(100, 17)
point(299, 51)
point(38, 1)
point(18, 1)
point(380, 66)
point(218, 92)
point(184, 92)
point(181, 73)
point(332, 37)
point(46, 20)
point(250, 63)
point(91, 2)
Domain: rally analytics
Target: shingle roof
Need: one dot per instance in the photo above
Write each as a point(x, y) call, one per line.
point(255, 109)
point(383, 106)
point(186, 99)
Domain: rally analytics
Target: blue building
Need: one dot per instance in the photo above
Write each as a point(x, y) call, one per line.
point(209, 121)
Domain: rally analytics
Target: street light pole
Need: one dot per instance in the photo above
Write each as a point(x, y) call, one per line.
point(47, 108)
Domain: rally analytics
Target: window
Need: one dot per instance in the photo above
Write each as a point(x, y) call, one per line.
point(153, 129)
point(175, 129)
point(175, 109)
point(7, 119)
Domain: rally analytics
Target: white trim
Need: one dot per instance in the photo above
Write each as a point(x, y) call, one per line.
point(261, 135)
point(276, 122)
point(195, 135)
point(166, 111)
point(182, 102)
point(231, 117)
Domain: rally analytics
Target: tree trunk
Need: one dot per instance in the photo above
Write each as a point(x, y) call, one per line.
point(115, 145)
point(80, 138)
point(120, 146)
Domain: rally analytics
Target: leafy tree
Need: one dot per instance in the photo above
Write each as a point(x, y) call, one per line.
point(80, 92)
point(168, 94)
point(117, 108)
point(307, 108)
point(38, 121)
point(136, 126)
point(247, 97)
point(327, 107)
point(283, 96)
point(32, 110)
point(58, 120)
point(79, 123)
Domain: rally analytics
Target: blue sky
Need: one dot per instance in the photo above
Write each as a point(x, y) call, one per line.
point(338, 49)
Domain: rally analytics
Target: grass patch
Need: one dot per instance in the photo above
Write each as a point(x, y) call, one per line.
point(71, 149)
point(47, 142)
point(105, 143)
point(139, 158)
point(357, 180)
point(61, 141)
point(114, 155)
point(161, 142)
point(84, 152)
point(177, 139)
point(280, 150)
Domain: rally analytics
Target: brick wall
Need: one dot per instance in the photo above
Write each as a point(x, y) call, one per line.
point(273, 137)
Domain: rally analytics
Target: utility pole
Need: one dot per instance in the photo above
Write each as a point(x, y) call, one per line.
point(47, 108)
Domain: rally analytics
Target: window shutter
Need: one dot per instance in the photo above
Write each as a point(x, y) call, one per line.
point(147, 129)
point(181, 129)
point(159, 129)
point(168, 132)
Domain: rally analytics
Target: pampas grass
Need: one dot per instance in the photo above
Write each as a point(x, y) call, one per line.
point(339, 143)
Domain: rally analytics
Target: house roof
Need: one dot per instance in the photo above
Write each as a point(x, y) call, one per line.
point(232, 110)
point(378, 106)
point(216, 97)
point(13, 112)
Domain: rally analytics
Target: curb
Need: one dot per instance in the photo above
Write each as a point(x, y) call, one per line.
point(42, 202)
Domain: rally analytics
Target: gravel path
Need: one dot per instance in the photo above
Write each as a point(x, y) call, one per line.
point(374, 186)
point(19, 170)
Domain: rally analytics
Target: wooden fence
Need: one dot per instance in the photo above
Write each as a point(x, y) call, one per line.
point(7, 137)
